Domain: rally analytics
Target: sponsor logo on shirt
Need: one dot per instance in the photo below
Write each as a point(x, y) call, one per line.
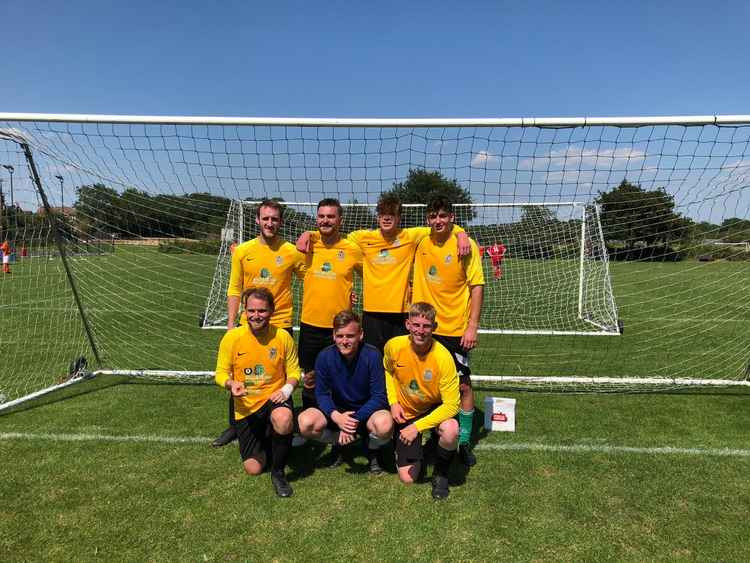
point(264, 277)
point(326, 271)
point(432, 274)
point(384, 257)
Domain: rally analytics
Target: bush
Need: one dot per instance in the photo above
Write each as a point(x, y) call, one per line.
point(719, 252)
point(184, 246)
point(658, 253)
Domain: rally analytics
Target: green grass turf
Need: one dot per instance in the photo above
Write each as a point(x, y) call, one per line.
point(114, 500)
point(685, 319)
point(106, 500)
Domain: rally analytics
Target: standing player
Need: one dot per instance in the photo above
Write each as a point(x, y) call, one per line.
point(496, 252)
point(422, 385)
point(327, 288)
point(388, 254)
point(350, 390)
point(5, 252)
point(257, 364)
point(455, 287)
point(265, 261)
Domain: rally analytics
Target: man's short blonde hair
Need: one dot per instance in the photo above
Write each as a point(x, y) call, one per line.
point(422, 309)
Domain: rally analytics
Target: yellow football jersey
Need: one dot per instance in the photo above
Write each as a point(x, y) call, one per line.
point(329, 275)
point(255, 264)
point(386, 266)
point(263, 364)
point(443, 279)
point(420, 383)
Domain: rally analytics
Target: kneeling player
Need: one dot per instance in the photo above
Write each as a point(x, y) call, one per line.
point(350, 391)
point(422, 386)
point(257, 364)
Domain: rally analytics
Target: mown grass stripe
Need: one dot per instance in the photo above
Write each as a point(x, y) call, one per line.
point(562, 448)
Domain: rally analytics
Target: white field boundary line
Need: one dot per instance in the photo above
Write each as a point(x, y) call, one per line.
point(521, 446)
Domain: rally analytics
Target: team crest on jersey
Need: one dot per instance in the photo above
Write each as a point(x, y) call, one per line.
point(279, 260)
point(448, 259)
point(272, 353)
point(385, 257)
point(340, 255)
point(427, 375)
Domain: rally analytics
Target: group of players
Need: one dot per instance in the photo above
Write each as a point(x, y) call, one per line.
point(400, 370)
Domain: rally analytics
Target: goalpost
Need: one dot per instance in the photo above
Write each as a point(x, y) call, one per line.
point(559, 244)
point(159, 191)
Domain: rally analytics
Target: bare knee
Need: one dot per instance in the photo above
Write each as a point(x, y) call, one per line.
point(281, 420)
point(448, 432)
point(408, 474)
point(311, 422)
point(253, 466)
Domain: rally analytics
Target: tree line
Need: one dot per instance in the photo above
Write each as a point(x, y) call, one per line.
point(632, 217)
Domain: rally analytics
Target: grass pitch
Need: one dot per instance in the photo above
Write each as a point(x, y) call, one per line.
point(118, 470)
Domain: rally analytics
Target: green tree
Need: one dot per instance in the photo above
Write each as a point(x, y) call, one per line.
point(735, 229)
point(635, 216)
point(422, 185)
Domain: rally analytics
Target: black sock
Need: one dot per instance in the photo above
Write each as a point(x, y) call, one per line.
point(231, 411)
point(281, 445)
point(443, 460)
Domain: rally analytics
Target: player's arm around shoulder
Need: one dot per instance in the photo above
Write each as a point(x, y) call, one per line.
point(307, 240)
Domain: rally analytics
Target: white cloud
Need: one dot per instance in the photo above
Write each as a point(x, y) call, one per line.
point(578, 157)
point(482, 158)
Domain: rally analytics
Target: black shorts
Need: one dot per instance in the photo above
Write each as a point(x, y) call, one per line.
point(379, 328)
point(254, 431)
point(312, 339)
point(460, 356)
point(413, 453)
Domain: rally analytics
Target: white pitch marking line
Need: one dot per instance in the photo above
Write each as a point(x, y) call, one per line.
point(570, 448)
point(587, 448)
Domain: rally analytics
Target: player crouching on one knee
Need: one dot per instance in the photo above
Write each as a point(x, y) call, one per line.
point(255, 364)
point(422, 387)
point(350, 392)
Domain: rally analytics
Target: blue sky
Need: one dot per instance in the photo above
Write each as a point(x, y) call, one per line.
point(396, 59)
point(375, 59)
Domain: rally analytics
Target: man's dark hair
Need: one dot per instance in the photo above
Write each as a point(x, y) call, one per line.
point(331, 202)
point(258, 293)
point(345, 317)
point(388, 204)
point(439, 203)
point(273, 204)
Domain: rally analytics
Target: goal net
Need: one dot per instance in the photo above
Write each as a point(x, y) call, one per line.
point(119, 234)
point(554, 273)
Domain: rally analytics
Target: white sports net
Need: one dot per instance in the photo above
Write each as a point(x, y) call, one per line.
point(555, 273)
point(140, 209)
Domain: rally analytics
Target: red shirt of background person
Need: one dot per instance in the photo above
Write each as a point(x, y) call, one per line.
point(496, 252)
